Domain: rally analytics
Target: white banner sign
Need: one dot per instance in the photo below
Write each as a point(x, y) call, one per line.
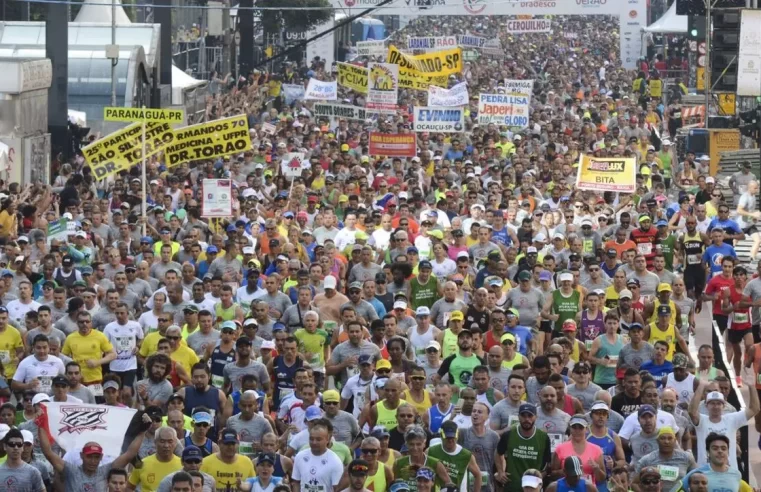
point(317, 90)
point(749, 60)
point(293, 163)
point(440, 120)
point(74, 425)
point(217, 198)
point(514, 86)
point(384, 85)
point(517, 26)
point(432, 43)
point(493, 47)
point(293, 93)
point(470, 41)
point(509, 110)
point(371, 48)
point(456, 96)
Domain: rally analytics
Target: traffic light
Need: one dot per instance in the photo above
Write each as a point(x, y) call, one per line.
point(725, 44)
point(696, 28)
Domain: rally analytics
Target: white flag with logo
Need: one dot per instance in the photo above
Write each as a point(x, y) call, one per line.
point(318, 90)
point(456, 96)
point(73, 425)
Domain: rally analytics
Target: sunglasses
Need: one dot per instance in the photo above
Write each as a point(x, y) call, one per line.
point(418, 378)
point(383, 371)
point(651, 481)
point(173, 338)
point(163, 320)
point(369, 451)
point(582, 372)
point(15, 444)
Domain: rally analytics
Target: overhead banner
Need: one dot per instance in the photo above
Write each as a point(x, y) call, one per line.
point(437, 63)
point(210, 140)
point(318, 90)
point(293, 163)
point(217, 198)
point(509, 110)
point(515, 86)
point(456, 96)
point(432, 43)
point(384, 86)
point(371, 48)
point(617, 174)
point(393, 144)
point(293, 93)
point(353, 77)
point(749, 58)
point(470, 41)
point(439, 120)
point(518, 26)
point(123, 148)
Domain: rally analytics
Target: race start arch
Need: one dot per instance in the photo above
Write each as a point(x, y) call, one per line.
point(632, 14)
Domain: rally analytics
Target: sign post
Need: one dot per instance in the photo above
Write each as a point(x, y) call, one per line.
point(143, 115)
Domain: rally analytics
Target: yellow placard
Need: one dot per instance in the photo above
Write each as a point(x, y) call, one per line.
point(130, 115)
point(353, 77)
point(434, 63)
point(123, 148)
point(409, 79)
point(210, 140)
point(617, 174)
point(727, 103)
point(700, 82)
point(721, 140)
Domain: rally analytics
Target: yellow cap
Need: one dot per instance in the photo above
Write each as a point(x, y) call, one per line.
point(663, 286)
point(331, 396)
point(343, 198)
point(666, 430)
point(507, 336)
point(456, 316)
point(382, 364)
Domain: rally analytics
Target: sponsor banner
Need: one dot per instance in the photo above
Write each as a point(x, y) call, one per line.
point(293, 93)
point(617, 174)
point(528, 25)
point(444, 62)
point(456, 96)
point(217, 198)
point(722, 140)
point(318, 90)
point(371, 48)
point(72, 425)
point(515, 86)
point(432, 43)
point(749, 58)
point(384, 85)
point(440, 120)
point(393, 144)
point(470, 41)
point(509, 110)
point(123, 148)
point(493, 47)
point(293, 163)
point(210, 140)
point(130, 115)
point(353, 77)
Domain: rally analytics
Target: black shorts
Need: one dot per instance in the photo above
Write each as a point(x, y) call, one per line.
point(127, 377)
point(695, 278)
point(545, 326)
point(736, 336)
point(721, 321)
point(750, 230)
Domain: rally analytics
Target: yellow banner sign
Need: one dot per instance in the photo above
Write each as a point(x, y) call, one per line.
point(210, 140)
point(617, 174)
point(353, 77)
point(727, 106)
point(721, 140)
point(130, 115)
point(123, 148)
point(435, 63)
point(409, 79)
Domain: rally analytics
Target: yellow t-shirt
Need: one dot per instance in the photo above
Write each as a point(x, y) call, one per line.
point(10, 340)
point(226, 476)
point(150, 343)
point(153, 472)
point(83, 348)
point(159, 244)
point(314, 344)
point(185, 357)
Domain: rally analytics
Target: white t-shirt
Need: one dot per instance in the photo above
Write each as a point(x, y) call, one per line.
point(44, 370)
point(17, 310)
point(356, 388)
point(728, 426)
point(149, 322)
point(124, 339)
point(631, 424)
point(317, 473)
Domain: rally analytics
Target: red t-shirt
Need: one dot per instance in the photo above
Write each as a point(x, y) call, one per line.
point(718, 284)
point(740, 317)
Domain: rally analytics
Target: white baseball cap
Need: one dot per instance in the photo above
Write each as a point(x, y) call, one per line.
point(330, 282)
point(715, 396)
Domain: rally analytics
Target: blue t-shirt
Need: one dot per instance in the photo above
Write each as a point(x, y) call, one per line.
point(523, 336)
point(502, 237)
point(714, 254)
point(659, 372)
point(728, 481)
point(609, 271)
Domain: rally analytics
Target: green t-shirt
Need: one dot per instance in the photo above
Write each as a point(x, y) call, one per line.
point(522, 454)
point(456, 464)
point(460, 369)
point(423, 295)
point(403, 471)
point(565, 307)
point(668, 246)
point(314, 344)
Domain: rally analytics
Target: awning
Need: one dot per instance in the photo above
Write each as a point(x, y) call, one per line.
point(669, 22)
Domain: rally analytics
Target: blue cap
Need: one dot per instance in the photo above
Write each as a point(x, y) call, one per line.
point(379, 432)
point(399, 486)
point(192, 453)
point(412, 249)
point(278, 327)
point(314, 412)
point(645, 409)
point(146, 239)
point(232, 228)
point(212, 249)
point(86, 270)
point(202, 418)
point(165, 230)
point(365, 359)
point(664, 310)
point(229, 436)
point(288, 215)
point(266, 458)
point(425, 264)
point(230, 325)
point(6, 273)
point(527, 408)
point(425, 473)
point(661, 223)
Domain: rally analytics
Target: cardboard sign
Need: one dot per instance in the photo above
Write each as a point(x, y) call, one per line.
point(293, 163)
point(456, 96)
point(371, 48)
point(210, 140)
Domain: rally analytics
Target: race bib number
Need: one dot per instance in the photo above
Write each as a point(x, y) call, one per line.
point(693, 259)
point(46, 383)
point(669, 473)
point(588, 344)
point(246, 449)
point(125, 344)
point(555, 440)
point(97, 389)
point(612, 361)
point(512, 421)
point(5, 356)
point(217, 381)
point(645, 248)
point(740, 318)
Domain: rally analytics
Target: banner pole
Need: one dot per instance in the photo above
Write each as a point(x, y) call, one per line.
point(145, 191)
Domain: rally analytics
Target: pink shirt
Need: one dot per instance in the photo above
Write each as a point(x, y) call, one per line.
point(591, 452)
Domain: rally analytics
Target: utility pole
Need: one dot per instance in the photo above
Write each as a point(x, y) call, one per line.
point(226, 36)
point(707, 63)
point(115, 60)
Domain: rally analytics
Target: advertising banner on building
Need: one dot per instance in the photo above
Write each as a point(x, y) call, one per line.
point(393, 144)
point(209, 140)
point(617, 174)
point(440, 120)
point(509, 110)
point(749, 58)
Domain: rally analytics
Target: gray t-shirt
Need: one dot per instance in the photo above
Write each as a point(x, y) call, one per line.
point(75, 479)
point(161, 391)
point(209, 484)
point(648, 282)
point(753, 290)
point(234, 373)
point(24, 478)
point(199, 342)
point(484, 448)
point(364, 309)
point(643, 444)
point(54, 333)
point(479, 252)
point(345, 427)
point(279, 301)
point(679, 459)
point(498, 379)
point(346, 350)
point(102, 318)
point(249, 432)
point(503, 413)
point(529, 305)
point(533, 387)
point(223, 265)
point(554, 423)
point(666, 277)
point(442, 308)
point(83, 393)
point(56, 313)
point(629, 357)
point(360, 273)
point(586, 396)
point(748, 203)
point(159, 269)
point(66, 325)
point(141, 288)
